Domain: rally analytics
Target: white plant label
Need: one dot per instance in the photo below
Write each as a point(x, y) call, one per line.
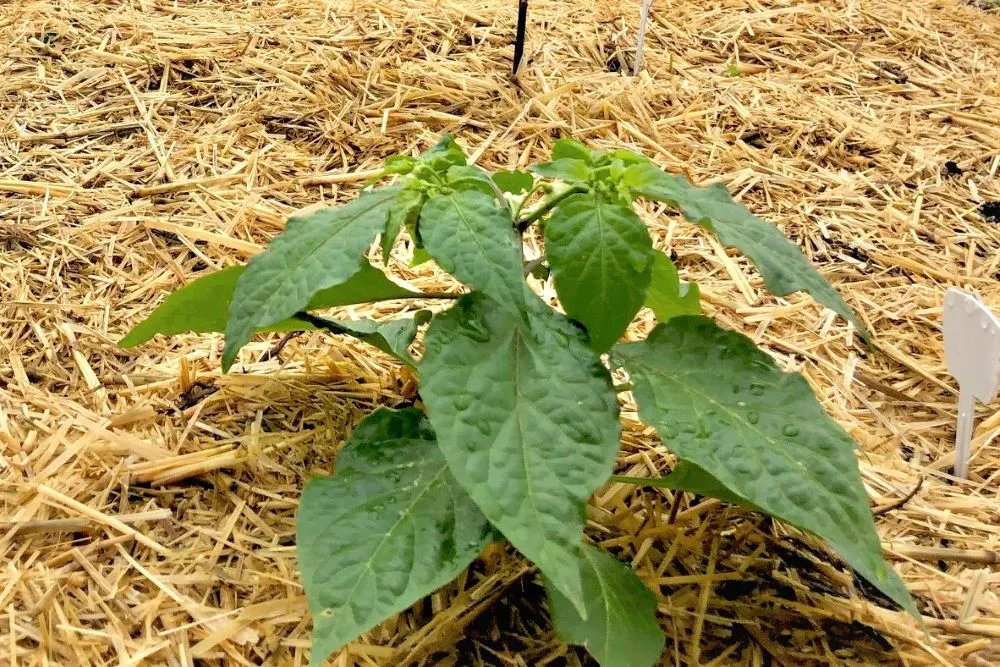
point(972, 352)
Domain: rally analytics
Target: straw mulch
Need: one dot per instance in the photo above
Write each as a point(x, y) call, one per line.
point(149, 502)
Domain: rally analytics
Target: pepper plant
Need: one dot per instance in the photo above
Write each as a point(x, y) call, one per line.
point(517, 423)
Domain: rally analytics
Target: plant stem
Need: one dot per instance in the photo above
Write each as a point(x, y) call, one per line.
point(547, 206)
point(435, 295)
point(534, 264)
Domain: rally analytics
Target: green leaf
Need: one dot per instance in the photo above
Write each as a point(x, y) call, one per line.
point(319, 251)
point(514, 182)
point(781, 263)
point(571, 149)
point(564, 169)
point(201, 306)
point(686, 476)
point(473, 239)
point(667, 296)
point(722, 404)
point(626, 157)
point(528, 422)
point(404, 212)
point(600, 254)
point(393, 337)
point(620, 629)
point(389, 528)
point(444, 154)
point(399, 164)
point(419, 257)
point(468, 177)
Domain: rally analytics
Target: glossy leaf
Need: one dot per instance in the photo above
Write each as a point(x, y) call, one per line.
point(667, 296)
point(389, 528)
point(600, 254)
point(722, 404)
point(201, 306)
point(514, 182)
point(781, 263)
point(473, 239)
point(316, 252)
point(621, 628)
point(528, 422)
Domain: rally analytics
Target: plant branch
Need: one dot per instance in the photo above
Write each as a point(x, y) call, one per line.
point(547, 206)
point(534, 264)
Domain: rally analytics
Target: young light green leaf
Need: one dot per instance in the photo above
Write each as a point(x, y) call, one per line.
point(722, 404)
point(473, 239)
point(528, 422)
point(625, 156)
point(444, 154)
point(201, 306)
point(314, 253)
point(571, 149)
point(781, 263)
point(667, 296)
point(600, 253)
point(468, 177)
point(390, 527)
point(620, 629)
point(400, 164)
point(564, 169)
point(393, 337)
point(404, 212)
point(514, 182)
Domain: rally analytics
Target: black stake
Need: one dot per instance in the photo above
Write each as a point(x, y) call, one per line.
point(522, 19)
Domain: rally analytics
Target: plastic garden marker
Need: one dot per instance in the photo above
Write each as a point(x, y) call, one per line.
point(972, 352)
point(643, 20)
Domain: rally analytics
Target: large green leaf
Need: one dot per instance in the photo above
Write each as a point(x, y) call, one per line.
point(316, 252)
point(620, 629)
point(528, 422)
point(473, 239)
point(667, 296)
point(202, 305)
point(600, 253)
point(722, 404)
point(390, 527)
point(781, 263)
